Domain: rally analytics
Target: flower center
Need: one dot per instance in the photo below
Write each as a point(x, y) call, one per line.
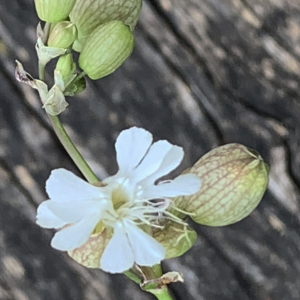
point(119, 197)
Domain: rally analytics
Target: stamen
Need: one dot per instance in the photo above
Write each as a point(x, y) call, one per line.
point(181, 210)
point(172, 217)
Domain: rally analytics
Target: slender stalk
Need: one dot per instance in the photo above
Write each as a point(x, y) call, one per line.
point(152, 273)
point(130, 274)
point(153, 283)
point(67, 143)
point(76, 79)
point(161, 294)
point(72, 150)
point(41, 71)
point(46, 32)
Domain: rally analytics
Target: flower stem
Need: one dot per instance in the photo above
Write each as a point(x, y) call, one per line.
point(41, 71)
point(72, 150)
point(131, 275)
point(67, 143)
point(161, 294)
point(46, 30)
point(76, 79)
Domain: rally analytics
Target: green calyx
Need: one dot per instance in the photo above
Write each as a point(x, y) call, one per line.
point(233, 181)
point(53, 11)
point(63, 35)
point(176, 238)
point(67, 68)
point(65, 65)
point(89, 254)
point(106, 49)
point(89, 14)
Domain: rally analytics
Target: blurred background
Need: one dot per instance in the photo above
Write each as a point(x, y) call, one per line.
point(203, 73)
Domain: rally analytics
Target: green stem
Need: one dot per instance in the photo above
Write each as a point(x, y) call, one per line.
point(67, 143)
point(76, 79)
point(72, 150)
point(41, 71)
point(46, 30)
point(132, 276)
point(161, 294)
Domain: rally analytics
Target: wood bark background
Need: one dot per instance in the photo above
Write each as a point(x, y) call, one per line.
point(203, 73)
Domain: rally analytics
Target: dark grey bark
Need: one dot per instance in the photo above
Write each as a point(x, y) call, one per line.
point(203, 73)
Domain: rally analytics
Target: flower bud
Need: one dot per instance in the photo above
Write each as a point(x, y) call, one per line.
point(106, 49)
point(53, 11)
point(65, 65)
point(63, 35)
point(234, 179)
point(89, 14)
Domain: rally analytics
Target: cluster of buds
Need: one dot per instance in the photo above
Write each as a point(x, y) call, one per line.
point(100, 30)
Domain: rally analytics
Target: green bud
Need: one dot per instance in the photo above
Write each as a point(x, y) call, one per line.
point(106, 49)
point(66, 68)
point(176, 238)
point(65, 65)
point(63, 35)
point(89, 14)
point(233, 181)
point(53, 11)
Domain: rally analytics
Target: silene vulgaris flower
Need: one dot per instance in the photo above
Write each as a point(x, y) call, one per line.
point(109, 226)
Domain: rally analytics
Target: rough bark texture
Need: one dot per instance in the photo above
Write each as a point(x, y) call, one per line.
point(203, 73)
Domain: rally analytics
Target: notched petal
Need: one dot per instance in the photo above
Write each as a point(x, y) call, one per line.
point(46, 219)
point(63, 185)
point(147, 251)
point(118, 255)
point(131, 146)
point(76, 235)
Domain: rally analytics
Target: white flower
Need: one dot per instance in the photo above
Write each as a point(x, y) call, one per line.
point(127, 200)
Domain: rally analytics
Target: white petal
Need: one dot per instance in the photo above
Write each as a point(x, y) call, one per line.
point(170, 162)
point(63, 185)
point(131, 146)
point(72, 212)
point(46, 219)
point(118, 255)
point(186, 184)
point(147, 251)
point(152, 161)
point(76, 235)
